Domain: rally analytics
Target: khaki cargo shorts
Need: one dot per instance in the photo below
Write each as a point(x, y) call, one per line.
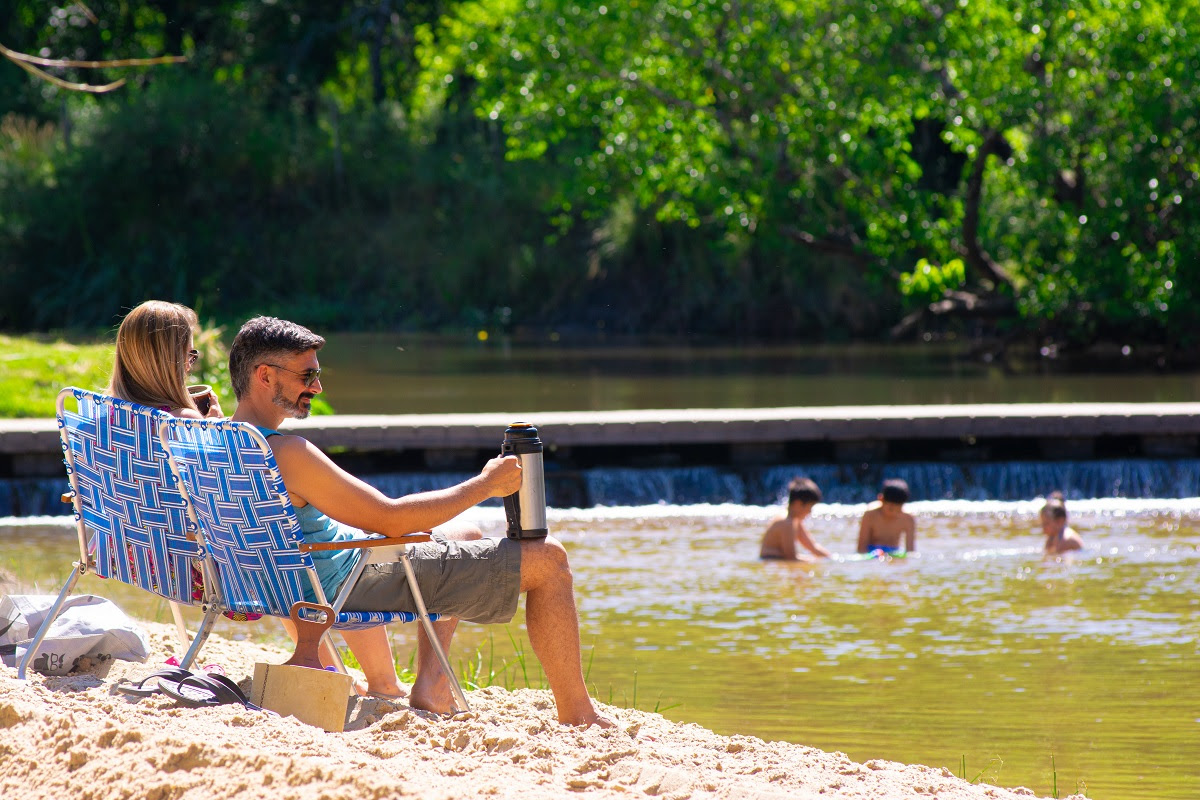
point(477, 581)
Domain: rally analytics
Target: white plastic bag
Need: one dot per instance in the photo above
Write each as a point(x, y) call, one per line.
point(87, 625)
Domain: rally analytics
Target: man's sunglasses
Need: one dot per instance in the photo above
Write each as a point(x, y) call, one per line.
point(309, 376)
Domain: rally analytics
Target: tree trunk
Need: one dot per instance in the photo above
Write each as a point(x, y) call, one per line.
point(382, 14)
point(977, 259)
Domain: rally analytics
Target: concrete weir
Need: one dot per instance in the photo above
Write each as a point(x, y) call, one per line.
point(763, 436)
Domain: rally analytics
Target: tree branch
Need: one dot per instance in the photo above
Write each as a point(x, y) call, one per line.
point(826, 245)
point(27, 62)
point(973, 253)
point(13, 55)
point(955, 303)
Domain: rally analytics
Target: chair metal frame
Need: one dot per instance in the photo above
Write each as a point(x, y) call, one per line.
point(227, 475)
point(130, 518)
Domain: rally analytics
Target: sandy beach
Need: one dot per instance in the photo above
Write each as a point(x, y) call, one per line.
point(74, 736)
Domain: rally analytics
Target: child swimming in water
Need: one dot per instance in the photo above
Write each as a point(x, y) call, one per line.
point(784, 533)
point(1060, 537)
point(885, 522)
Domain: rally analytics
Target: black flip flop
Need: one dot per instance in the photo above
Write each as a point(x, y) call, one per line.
point(140, 689)
point(197, 691)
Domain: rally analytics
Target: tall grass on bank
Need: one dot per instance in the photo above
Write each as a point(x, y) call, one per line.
point(480, 670)
point(993, 766)
point(990, 774)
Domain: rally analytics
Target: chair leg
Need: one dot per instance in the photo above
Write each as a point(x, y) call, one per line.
point(337, 654)
point(51, 615)
point(459, 698)
point(180, 627)
point(338, 602)
point(206, 626)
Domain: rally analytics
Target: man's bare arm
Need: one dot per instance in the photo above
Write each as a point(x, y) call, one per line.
point(808, 543)
point(312, 477)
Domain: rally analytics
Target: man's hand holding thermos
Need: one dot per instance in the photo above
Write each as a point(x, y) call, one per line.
point(526, 508)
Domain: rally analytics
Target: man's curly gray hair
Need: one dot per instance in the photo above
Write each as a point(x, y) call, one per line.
point(266, 339)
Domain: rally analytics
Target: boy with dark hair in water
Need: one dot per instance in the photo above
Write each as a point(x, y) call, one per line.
point(1060, 537)
point(784, 533)
point(885, 522)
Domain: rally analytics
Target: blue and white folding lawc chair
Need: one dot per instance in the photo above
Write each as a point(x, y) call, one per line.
point(236, 495)
point(130, 517)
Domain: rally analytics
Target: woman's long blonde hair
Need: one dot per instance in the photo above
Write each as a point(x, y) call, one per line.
point(150, 365)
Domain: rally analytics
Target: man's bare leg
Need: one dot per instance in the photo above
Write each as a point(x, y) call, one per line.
point(373, 649)
point(553, 625)
point(431, 689)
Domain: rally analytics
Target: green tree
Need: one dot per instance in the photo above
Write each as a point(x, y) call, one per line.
point(1041, 143)
point(287, 51)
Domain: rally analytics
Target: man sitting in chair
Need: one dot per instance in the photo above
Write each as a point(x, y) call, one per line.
point(275, 372)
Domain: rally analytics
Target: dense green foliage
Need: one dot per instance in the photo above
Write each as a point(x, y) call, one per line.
point(777, 169)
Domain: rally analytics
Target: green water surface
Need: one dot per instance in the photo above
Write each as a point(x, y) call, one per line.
point(411, 374)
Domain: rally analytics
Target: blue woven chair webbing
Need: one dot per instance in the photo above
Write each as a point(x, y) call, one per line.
point(136, 516)
point(249, 525)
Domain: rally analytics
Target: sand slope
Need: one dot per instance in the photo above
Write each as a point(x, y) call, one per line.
point(74, 737)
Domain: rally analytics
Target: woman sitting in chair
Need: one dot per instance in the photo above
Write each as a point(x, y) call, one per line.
point(155, 352)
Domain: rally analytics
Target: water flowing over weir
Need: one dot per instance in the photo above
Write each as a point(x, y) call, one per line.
point(759, 486)
point(1139, 479)
point(742, 456)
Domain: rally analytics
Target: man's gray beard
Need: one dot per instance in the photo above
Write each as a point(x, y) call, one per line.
point(292, 407)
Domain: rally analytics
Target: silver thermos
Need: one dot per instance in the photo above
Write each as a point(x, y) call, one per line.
point(526, 510)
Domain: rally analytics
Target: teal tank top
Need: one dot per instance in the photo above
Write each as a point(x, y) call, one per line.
point(333, 566)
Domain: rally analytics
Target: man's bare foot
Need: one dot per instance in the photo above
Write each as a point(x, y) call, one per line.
point(588, 719)
point(393, 692)
point(435, 698)
point(602, 722)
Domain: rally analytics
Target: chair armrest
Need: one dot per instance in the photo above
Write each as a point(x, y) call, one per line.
point(358, 544)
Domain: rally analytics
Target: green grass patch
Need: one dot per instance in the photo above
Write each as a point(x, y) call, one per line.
point(34, 368)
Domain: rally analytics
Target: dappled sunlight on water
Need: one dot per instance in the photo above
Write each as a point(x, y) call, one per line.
point(973, 648)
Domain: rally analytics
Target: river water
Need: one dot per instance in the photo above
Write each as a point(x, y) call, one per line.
point(975, 654)
point(397, 374)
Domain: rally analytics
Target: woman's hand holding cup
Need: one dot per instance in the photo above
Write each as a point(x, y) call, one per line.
point(206, 400)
